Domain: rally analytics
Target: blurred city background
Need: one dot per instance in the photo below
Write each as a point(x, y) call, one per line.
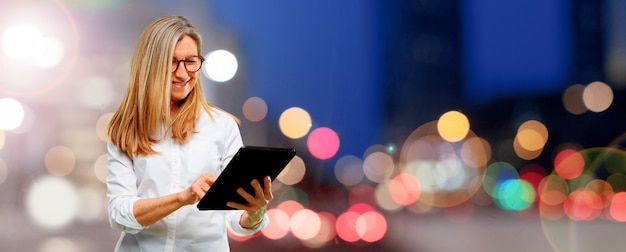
point(420, 125)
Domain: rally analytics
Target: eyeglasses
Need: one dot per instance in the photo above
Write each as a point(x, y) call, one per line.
point(192, 64)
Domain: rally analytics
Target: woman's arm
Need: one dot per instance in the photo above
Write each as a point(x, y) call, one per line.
point(148, 211)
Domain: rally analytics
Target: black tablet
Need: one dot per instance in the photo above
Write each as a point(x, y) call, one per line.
point(250, 162)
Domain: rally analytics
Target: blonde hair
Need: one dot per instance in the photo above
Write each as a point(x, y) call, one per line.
point(145, 109)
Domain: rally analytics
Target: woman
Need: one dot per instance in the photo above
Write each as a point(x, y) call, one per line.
point(167, 146)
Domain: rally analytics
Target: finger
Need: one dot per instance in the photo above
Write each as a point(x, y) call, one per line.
point(209, 178)
point(237, 206)
point(198, 191)
point(268, 188)
point(248, 197)
point(258, 190)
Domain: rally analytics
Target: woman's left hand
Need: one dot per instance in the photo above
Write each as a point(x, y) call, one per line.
point(257, 204)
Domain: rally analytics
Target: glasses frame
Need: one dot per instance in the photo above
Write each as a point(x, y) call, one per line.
point(177, 62)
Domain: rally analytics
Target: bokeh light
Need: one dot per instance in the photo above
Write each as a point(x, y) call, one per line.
point(220, 65)
point(3, 138)
point(92, 204)
point(293, 173)
point(323, 143)
point(384, 199)
point(21, 42)
point(60, 160)
point(25, 42)
point(52, 202)
point(295, 122)
point(453, 126)
point(233, 235)
point(405, 189)
point(617, 208)
point(598, 96)
point(371, 226)
point(530, 139)
point(361, 222)
point(476, 152)
point(362, 193)
point(514, 194)
point(346, 226)
point(102, 126)
point(11, 113)
point(100, 168)
point(533, 173)
point(497, 173)
point(55, 244)
point(305, 224)
point(29, 121)
point(326, 232)
point(569, 164)
point(573, 99)
point(349, 170)
point(255, 109)
point(4, 171)
point(290, 207)
point(524, 153)
point(582, 205)
point(97, 92)
point(279, 226)
point(50, 53)
point(294, 194)
point(532, 135)
point(378, 166)
point(39, 38)
point(553, 191)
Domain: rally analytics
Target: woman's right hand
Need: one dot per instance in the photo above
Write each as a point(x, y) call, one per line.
point(198, 189)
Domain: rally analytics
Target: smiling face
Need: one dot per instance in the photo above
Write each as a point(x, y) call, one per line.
point(183, 81)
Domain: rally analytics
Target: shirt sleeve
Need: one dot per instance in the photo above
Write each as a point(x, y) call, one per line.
point(121, 191)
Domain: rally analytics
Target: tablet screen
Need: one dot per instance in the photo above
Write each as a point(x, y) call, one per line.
point(250, 162)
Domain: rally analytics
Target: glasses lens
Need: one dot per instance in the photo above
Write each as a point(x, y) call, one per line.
point(192, 64)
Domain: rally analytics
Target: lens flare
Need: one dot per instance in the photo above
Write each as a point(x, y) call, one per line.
point(21, 42)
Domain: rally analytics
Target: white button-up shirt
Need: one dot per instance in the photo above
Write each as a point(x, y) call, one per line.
point(173, 169)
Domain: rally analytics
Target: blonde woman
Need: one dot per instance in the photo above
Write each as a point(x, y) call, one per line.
point(167, 146)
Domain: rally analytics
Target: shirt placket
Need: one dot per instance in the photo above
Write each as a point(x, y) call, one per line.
point(176, 167)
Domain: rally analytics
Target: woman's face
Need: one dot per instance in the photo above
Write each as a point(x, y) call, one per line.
point(183, 80)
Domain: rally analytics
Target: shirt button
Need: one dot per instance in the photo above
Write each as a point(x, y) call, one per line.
point(170, 237)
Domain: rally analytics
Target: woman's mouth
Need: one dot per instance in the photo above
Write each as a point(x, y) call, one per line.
point(180, 84)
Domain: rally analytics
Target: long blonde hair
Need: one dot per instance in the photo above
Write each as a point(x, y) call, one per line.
point(145, 109)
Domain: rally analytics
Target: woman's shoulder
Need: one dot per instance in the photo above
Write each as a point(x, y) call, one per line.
point(217, 116)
